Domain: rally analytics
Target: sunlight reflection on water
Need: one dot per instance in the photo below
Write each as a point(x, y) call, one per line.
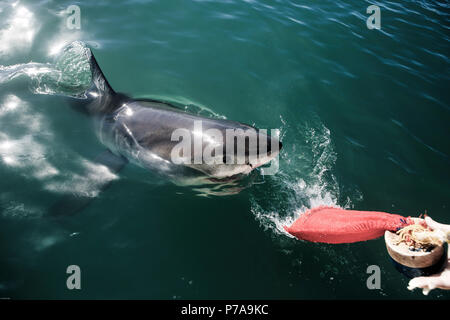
point(18, 29)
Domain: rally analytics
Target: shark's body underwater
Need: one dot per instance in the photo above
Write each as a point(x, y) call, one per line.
point(141, 131)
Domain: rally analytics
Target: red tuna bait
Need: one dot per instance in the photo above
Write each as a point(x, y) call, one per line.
point(335, 225)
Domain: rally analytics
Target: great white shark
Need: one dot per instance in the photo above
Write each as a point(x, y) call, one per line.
point(141, 131)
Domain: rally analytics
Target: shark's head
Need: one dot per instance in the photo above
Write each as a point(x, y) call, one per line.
point(240, 150)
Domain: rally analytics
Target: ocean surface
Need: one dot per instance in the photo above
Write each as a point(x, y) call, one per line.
point(363, 116)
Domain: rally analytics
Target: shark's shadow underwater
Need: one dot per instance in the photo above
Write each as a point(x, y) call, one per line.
point(141, 131)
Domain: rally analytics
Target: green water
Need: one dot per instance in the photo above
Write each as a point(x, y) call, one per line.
point(364, 119)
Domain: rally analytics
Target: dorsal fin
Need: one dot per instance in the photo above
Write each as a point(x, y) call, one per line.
point(102, 98)
point(100, 84)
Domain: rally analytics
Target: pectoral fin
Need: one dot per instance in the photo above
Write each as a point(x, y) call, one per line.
point(70, 204)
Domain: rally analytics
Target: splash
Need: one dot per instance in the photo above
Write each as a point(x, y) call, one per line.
point(69, 75)
point(305, 179)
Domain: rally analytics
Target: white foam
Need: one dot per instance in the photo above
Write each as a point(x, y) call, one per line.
point(305, 180)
